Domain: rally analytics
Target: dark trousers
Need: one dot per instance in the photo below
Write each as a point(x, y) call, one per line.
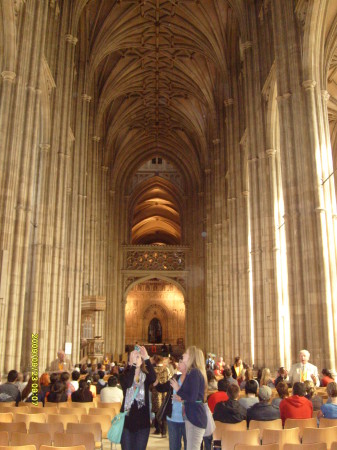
point(132, 440)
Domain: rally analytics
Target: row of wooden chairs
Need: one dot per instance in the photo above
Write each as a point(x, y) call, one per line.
point(43, 447)
point(234, 434)
point(69, 404)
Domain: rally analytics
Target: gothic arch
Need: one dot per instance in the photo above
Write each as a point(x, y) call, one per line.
point(175, 281)
point(156, 311)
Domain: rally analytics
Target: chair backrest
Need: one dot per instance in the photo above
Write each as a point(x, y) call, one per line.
point(94, 428)
point(51, 428)
point(6, 417)
point(115, 405)
point(104, 422)
point(39, 409)
point(104, 411)
point(315, 446)
point(314, 435)
point(4, 405)
point(62, 418)
point(220, 427)
point(14, 426)
point(36, 439)
point(333, 445)
point(76, 411)
point(4, 438)
point(74, 447)
point(256, 447)
point(18, 409)
point(71, 439)
point(86, 405)
point(39, 404)
point(18, 447)
point(301, 424)
point(263, 424)
point(324, 423)
point(27, 418)
point(291, 436)
point(230, 438)
point(51, 405)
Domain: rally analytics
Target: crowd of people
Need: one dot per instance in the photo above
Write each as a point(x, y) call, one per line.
point(171, 396)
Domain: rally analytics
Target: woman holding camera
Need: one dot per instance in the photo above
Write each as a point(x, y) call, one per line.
point(135, 382)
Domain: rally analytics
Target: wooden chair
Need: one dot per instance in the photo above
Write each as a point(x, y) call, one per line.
point(86, 405)
point(17, 409)
point(94, 428)
point(256, 447)
point(115, 405)
point(301, 424)
point(315, 446)
point(51, 405)
point(104, 412)
point(41, 409)
point(264, 424)
point(48, 447)
point(75, 411)
point(51, 428)
point(220, 427)
point(36, 439)
point(324, 422)
point(4, 405)
point(4, 438)
point(6, 417)
point(39, 404)
point(104, 421)
point(27, 418)
point(230, 438)
point(71, 439)
point(18, 447)
point(291, 436)
point(12, 427)
point(315, 435)
point(333, 445)
point(62, 418)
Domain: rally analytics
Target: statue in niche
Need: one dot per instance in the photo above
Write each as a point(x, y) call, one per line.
point(155, 331)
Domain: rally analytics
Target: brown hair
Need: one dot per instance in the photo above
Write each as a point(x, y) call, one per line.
point(332, 389)
point(282, 389)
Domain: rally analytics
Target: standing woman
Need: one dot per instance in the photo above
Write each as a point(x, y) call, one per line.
point(192, 393)
point(135, 382)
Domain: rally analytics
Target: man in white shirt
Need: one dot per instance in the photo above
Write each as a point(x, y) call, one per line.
point(111, 393)
point(303, 370)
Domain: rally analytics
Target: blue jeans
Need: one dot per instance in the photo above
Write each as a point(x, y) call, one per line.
point(132, 440)
point(208, 442)
point(176, 431)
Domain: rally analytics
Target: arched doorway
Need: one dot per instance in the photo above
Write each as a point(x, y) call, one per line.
point(155, 334)
point(154, 313)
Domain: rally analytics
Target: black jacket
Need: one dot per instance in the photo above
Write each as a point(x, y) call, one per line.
point(262, 411)
point(229, 412)
point(166, 387)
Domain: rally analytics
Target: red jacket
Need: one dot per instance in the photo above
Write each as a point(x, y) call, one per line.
point(295, 407)
point(215, 398)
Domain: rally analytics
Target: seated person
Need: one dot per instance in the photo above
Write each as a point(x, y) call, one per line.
point(311, 395)
point(250, 399)
point(230, 411)
point(9, 392)
point(282, 375)
point(248, 376)
point(75, 376)
point(57, 393)
point(112, 393)
point(219, 396)
point(266, 379)
point(212, 383)
point(100, 383)
point(83, 393)
point(327, 377)
point(27, 395)
point(45, 382)
point(296, 406)
point(283, 392)
point(227, 373)
point(263, 410)
point(329, 409)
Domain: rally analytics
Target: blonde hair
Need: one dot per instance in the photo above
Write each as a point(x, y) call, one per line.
point(196, 360)
point(265, 377)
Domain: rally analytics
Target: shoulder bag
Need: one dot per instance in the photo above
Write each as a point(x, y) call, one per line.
point(117, 424)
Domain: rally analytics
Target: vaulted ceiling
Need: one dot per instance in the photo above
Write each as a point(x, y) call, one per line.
point(156, 66)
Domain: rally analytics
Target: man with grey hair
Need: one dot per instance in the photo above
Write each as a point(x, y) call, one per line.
point(303, 370)
point(61, 364)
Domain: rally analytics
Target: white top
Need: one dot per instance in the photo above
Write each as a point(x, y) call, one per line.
point(111, 394)
point(296, 371)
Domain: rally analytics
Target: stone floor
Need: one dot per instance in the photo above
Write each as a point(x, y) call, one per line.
point(155, 442)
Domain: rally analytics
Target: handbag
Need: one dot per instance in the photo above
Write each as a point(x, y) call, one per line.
point(210, 427)
point(160, 414)
point(117, 424)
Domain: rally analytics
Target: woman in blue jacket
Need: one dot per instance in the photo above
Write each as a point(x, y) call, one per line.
point(192, 394)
